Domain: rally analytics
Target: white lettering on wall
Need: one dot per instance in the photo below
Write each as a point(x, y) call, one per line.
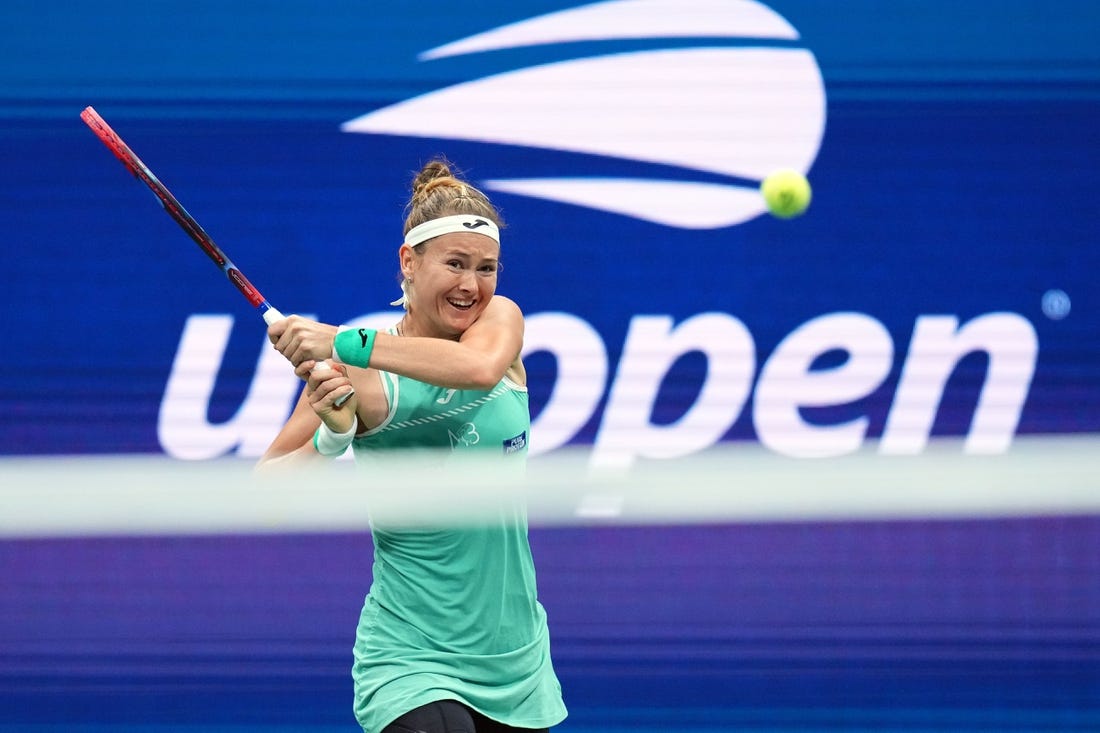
point(183, 428)
point(652, 346)
point(790, 381)
point(787, 383)
point(581, 359)
point(938, 345)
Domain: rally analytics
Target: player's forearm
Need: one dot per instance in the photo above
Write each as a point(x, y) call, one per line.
point(294, 443)
point(450, 364)
point(276, 458)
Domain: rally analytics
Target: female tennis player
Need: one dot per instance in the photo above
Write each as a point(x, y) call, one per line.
point(452, 636)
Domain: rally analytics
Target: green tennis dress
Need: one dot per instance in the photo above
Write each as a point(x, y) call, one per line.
point(452, 612)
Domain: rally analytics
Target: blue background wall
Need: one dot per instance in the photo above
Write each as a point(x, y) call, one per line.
point(956, 175)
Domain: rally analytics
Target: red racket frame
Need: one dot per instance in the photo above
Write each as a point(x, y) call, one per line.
point(175, 209)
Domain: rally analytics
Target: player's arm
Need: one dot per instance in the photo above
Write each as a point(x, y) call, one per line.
point(367, 407)
point(295, 441)
point(478, 360)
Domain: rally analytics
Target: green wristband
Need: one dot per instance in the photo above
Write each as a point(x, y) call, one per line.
point(353, 347)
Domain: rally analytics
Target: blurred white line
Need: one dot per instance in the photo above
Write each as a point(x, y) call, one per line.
point(600, 506)
point(82, 496)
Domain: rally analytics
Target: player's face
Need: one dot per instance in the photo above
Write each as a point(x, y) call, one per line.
point(452, 282)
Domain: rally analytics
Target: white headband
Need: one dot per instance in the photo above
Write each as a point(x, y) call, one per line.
point(449, 224)
point(446, 225)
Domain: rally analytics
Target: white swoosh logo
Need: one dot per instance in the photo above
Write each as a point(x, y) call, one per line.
point(736, 112)
point(684, 204)
point(623, 19)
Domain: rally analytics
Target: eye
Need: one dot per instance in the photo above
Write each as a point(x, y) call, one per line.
point(489, 269)
point(454, 264)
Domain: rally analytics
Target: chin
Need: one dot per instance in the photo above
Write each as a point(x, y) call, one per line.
point(456, 325)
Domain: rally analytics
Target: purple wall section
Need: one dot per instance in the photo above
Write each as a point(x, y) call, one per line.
point(952, 623)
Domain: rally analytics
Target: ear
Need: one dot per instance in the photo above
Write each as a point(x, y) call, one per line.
point(408, 259)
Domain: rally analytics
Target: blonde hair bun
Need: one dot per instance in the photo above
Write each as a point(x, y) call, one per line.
point(437, 191)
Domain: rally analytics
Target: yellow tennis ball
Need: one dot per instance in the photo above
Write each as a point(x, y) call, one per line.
point(787, 193)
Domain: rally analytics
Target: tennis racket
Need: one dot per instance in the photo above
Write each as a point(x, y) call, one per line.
point(175, 209)
point(187, 222)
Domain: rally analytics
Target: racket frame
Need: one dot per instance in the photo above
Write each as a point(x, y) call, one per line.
point(175, 209)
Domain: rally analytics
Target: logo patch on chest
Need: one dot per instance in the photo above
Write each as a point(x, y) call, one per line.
point(465, 436)
point(516, 444)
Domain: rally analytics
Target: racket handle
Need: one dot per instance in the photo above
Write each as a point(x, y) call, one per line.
point(272, 315)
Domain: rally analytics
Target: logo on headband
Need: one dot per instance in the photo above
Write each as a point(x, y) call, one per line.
point(475, 224)
point(658, 125)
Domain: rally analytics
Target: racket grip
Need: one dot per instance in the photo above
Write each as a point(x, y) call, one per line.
point(272, 315)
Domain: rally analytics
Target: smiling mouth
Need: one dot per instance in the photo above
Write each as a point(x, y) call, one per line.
point(462, 305)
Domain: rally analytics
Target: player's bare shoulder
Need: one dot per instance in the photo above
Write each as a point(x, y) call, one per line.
point(374, 407)
point(502, 307)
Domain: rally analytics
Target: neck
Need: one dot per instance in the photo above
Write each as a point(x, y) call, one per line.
point(410, 326)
